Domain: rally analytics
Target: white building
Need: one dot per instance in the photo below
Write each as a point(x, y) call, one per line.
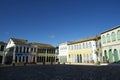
point(110, 40)
point(20, 51)
point(63, 52)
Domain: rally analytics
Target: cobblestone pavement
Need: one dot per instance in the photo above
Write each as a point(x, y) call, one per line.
point(60, 72)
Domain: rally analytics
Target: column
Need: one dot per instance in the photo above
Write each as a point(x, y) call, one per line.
point(33, 50)
point(4, 55)
point(22, 49)
point(29, 50)
point(36, 55)
point(17, 59)
point(14, 54)
point(22, 58)
point(25, 49)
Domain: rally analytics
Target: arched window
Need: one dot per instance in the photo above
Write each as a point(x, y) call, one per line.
point(80, 58)
point(116, 58)
point(105, 55)
point(110, 56)
point(108, 38)
point(118, 34)
point(113, 36)
point(103, 39)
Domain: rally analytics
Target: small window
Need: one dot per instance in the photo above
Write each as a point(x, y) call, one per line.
point(113, 36)
point(2, 48)
point(118, 34)
point(90, 45)
point(108, 38)
point(103, 39)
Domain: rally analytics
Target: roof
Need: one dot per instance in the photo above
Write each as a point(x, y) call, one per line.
point(19, 41)
point(110, 29)
point(84, 40)
point(41, 45)
point(2, 43)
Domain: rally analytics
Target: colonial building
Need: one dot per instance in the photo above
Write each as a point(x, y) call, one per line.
point(111, 45)
point(45, 52)
point(20, 51)
point(63, 52)
point(83, 51)
point(2, 48)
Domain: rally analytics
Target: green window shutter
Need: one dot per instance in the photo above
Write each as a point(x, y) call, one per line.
point(103, 39)
point(113, 36)
point(118, 34)
point(108, 38)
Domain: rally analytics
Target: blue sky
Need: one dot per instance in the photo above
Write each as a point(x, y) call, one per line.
point(56, 21)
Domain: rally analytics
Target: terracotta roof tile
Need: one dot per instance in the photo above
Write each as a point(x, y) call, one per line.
point(41, 45)
point(83, 40)
point(19, 41)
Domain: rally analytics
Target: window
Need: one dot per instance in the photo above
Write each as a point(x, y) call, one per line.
point(80, 46)
point(113, 36)
point(34, 49)
point(27, 49)
point(16, 49)
point(108, 38)
point(103, 39)
point(77, 46)
point(90, 45)
point(31, 49)
point(86, 45)
point(118, 34)
point(20, 49)
point(24, 50)
point(83, 45)
point(2, 48)
point(74, 47)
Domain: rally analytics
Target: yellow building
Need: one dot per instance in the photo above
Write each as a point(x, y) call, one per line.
point(45, 52)
point(83, 51)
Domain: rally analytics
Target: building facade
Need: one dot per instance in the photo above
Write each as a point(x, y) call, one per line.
point(20, 51)
point(111, 45)
point(63, 52)
point(83, 51)
point(45, 53)
point(2, 48)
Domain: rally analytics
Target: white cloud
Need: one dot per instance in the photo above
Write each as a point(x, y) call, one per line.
point(51, 36)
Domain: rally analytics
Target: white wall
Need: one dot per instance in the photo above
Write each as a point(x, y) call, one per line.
point(63, 50)
point(10, 44)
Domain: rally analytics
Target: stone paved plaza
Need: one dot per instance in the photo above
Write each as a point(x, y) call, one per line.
point(60, 72)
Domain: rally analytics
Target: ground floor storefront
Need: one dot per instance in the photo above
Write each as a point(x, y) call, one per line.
point(111, 54)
